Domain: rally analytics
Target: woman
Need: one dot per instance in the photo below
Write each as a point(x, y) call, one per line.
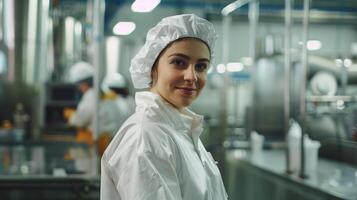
point(157, 153)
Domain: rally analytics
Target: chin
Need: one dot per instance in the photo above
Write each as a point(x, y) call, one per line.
point(184, 103)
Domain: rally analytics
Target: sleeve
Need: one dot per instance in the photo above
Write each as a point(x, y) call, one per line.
point(107, 187)
point(83, 115)
point(150, 171)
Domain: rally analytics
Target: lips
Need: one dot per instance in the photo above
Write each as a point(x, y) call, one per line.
point(187, 91)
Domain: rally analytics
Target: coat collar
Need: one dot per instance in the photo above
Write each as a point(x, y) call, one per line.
point(185, 120)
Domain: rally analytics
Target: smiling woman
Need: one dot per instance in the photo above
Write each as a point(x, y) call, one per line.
point(180, 73)
point(157, 153)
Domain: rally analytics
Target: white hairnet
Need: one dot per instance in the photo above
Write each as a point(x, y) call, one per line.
point(166, 31)
point(115, 80)
point(80, 71)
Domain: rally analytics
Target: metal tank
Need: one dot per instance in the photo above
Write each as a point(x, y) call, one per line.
point(268, 97)
point(268, 100)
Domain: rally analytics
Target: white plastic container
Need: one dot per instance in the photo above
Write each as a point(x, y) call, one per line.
point(257, 142)
point(311, 154)
point(311, 149)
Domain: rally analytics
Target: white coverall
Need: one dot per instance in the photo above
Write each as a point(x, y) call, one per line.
point(126, 106)
point(157, 155)
point(108, 114)
point(84, 111)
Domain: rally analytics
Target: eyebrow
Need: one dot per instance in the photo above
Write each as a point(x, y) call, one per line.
point(188, 57)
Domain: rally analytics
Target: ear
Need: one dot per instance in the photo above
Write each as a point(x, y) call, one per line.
point(154, 75)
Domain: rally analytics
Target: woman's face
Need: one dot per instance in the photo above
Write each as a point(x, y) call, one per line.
point(181, 71)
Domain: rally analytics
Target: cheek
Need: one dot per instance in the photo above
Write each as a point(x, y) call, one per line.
point(202, 81)
point(172, 78)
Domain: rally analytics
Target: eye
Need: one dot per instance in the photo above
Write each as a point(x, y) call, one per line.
point(201, 67)
point(180, 63)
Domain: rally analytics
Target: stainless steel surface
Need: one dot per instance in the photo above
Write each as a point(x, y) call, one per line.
point(344, 79)
point(49, 187)
point(98, 56)
point(225, 57)
point(223, 93)
point(330, 180)
point(253, 26)
point(269, 96)
point(331, 98)
point(317, 16)
point(287, 65)
point(44, 157)
point(317, 63)
point(304, 61)
point(253, 16)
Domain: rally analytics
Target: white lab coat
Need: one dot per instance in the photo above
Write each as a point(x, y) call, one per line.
point(108, 117)
point(84, 111)
point(157, 155)
point(126, 108)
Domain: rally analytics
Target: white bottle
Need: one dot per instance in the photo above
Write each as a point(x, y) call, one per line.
point(294, 140)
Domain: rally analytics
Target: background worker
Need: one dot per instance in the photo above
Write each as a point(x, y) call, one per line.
point(81, 74)
point(115, 88)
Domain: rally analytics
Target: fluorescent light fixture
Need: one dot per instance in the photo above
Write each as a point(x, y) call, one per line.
point(221, 68)
point(234, 67)
point(124, 28)
point(144, 5)
point(313, 45)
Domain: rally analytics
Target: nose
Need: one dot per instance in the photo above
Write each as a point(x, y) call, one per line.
point(190, 74)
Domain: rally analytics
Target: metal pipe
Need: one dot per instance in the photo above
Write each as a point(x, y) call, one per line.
point(303, 84)
point(287, 66)
point(227, 20)
point(98, 56)
point(344, 78)
point(253, 22)
point(233, 6)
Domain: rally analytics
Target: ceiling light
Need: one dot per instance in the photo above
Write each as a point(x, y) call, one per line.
point(235, 67)
point(221, 68)
point(313, 45)
point(144, 5)
point(124, 28)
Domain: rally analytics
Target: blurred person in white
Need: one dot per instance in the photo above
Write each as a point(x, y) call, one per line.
point(82, 73)
point(157, 153)
point(115, 93)
point(115, 88)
